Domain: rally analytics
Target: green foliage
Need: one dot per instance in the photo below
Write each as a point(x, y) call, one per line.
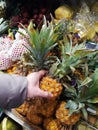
point(42, 42)
point(71, 57)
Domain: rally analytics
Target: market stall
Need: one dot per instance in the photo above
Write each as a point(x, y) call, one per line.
point(62, 38)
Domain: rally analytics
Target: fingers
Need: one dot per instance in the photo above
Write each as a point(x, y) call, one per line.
point(42, 73)
point(45, 94)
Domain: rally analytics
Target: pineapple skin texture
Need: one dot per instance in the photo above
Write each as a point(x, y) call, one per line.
point(62, 115)
point(48, 107)
point(54, 124)
point(23, 109)
point(51, 85)
point(33, 117)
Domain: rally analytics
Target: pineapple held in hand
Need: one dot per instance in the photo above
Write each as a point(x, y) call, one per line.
point(51, 85)
point(41, 43)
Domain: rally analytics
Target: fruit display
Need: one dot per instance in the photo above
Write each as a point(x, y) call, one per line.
point(57, 42)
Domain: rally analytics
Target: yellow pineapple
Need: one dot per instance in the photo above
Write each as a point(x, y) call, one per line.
point(38, 57)
point(48, 107)
point(46, 121)
point(19, 68)
point(51, 85)
point(44, 107)
point(69, 111)
point(42, 42)
point(23, 109)
point(53, 124)
point(62, 114)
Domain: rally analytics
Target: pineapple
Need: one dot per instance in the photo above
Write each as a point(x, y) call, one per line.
point(19, 68)
point(63, 115)
point(47, 110)
point(46, 121)
point(55, 88)
point(38, 57)
point(79, 100)
point(34, 117)
point(23, 109)
point(72, 58)
point(54, 124)
point(41, 44)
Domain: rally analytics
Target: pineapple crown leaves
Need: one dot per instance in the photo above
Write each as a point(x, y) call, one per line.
point(87, 89)
point(92, 91)
point(85, 94)
point(42, 42)
point(74, 107)
point(71, 57)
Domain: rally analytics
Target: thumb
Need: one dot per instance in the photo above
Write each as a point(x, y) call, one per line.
point(42, 73)
point(45, 94)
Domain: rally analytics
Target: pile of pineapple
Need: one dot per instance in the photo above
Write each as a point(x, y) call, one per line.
point(72, 75)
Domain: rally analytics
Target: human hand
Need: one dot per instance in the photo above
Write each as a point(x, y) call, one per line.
point(33, 85)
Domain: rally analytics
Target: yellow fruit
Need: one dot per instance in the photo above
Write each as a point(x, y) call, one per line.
point(54, 124)
point(47, 108)
point(23, 109)
point(51, 85)
point(34, 117)
point(63, 11)
point(63, 115)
